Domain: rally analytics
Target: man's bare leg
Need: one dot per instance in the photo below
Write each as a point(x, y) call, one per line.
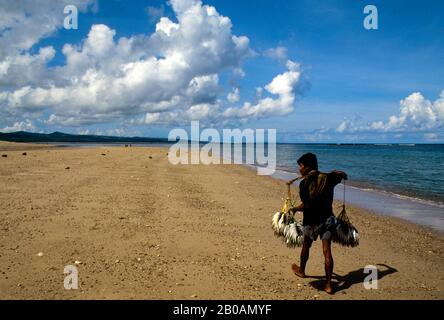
point(326, 248)
point(305, 253)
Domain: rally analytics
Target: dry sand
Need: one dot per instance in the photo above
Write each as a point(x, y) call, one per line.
point(142, 228)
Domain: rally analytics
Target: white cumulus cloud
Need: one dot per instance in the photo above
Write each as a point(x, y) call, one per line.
point(169, 76)
point(416, 113)
point(234, 96)
point(26, 125)
point(22, 25)
point(279, 53)
point(283, 86)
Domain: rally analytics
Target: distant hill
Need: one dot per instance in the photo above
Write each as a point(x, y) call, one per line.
point(23, 136)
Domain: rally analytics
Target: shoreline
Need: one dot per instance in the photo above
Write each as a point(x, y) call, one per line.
point(371, 187)
point(138, 227)
point(422, 212)
point(6, 146)
point(418, 211)
point(361, 185)
point(364, 186)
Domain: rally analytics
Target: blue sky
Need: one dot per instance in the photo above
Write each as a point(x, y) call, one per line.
point(348, 83)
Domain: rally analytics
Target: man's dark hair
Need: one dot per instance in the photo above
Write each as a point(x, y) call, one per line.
point(309, 160)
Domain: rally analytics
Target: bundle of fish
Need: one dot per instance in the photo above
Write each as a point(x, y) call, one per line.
point(286, 226)
point(346, 234)
point(294, 234)
point(278, 223)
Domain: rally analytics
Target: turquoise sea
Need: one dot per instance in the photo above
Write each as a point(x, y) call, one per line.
point(400, 180)
point(413, 170)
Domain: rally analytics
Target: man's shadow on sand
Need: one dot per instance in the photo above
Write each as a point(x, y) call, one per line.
point(354, 277)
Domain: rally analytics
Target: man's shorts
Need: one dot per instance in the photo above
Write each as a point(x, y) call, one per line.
point(325, 230)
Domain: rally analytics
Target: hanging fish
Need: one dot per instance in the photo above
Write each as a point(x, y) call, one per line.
point(286, 226)
point(346, 234)
point(275, 222)
point(294, 235)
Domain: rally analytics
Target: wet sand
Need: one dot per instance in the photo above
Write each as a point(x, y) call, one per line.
point(141, 228)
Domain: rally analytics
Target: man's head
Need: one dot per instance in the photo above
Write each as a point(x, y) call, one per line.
point(307, 163)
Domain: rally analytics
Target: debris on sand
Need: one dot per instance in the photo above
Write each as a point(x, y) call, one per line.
point(40, 254)
point(4, 155)
point(103, 154)
point(24, 154)
point(67, 168)
point(150, 157)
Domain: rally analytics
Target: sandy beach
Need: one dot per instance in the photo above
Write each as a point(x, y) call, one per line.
point(141, 228)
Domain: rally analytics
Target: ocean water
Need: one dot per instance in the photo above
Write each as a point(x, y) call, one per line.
point(415, 171)
point(403, 181)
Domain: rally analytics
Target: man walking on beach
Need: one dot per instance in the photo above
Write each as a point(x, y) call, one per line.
point(316, 191)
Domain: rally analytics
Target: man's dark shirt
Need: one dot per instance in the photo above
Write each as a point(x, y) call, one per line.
point(316, 192)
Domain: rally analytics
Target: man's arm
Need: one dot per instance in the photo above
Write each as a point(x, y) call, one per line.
point(292, 181)
point(297, 208)
point(342, 174)
point(338, 176)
